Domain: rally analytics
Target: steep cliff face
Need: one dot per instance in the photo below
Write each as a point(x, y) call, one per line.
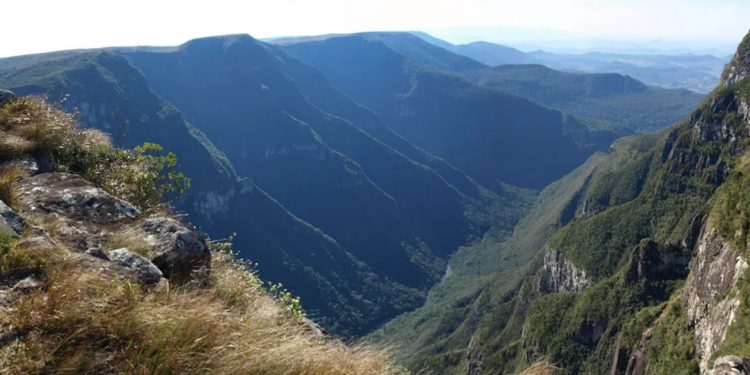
point(739, 68)
point(561, 275)
point(710, 293)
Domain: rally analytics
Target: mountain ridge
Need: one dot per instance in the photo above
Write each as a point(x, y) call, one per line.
point(389, 83)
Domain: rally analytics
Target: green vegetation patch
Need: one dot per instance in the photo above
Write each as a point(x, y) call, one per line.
point(671, 349)
point(736, 340)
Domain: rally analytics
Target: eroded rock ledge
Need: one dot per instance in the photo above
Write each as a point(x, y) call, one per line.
point(561, 275)
point(709, 295)
point(89, 220)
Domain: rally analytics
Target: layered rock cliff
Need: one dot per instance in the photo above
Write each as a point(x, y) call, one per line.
point(710, 293)
point(561, 275)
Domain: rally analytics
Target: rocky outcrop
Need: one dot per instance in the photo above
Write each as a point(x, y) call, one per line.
point(561, 275)
point(6, 97)
point(72, 197)
point(731, 365)
point(654, 261)
point(739, 67)
point(10, 222)
point(710, 301)
point(145, 271)
point(88, 220)
point(175, 249)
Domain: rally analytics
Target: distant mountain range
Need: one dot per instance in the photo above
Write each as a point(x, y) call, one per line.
point(699, 73)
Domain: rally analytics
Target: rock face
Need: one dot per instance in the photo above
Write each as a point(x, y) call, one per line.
point(657, 262)
point(146, 272)
point(177, 250)
point(88, 220)
point(10, 222)
point(731, 365)
point(561, 275)
point(739, 67)
point(71, 196)
point(6, 97)
point(715, 270)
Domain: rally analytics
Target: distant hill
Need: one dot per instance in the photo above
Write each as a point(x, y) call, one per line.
point(493, 54)
point(493, 136)
point(618, 100)
point(406, 44)
point(698, 73)
point(325, 169)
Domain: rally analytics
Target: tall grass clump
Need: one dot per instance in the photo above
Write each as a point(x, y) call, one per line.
point(9, 175)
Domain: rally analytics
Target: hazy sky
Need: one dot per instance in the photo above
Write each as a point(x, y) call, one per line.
point(45, 25)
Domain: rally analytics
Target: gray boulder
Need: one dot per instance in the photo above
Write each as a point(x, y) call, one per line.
point(73, 197)
point(86, 217)
point(6, 97)
point(10, 222)
point(146, 272)
point(731, 365)
point(178, 251)
point(27, 284)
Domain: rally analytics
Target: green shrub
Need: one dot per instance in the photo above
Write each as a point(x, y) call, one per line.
point(143, 176)
point(6, 243)
point(671, 349)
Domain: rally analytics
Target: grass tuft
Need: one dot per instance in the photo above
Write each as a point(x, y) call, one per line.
point(9, 176)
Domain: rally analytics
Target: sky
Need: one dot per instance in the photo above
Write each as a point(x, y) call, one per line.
point(47, 25)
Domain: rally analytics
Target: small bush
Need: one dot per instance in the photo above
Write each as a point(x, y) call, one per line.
point(226, 267)
point(6, 243)
point(144, 176)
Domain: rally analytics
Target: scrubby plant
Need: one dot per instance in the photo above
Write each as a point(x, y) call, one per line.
point(143, 176)
point(6, 243)
point(19, 259)
point(242, 270)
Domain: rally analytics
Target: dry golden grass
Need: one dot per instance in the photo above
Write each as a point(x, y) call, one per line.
point(9, 176)
point(34, 130)
point(540, 368)
point(85, 322)
point(12, 145)
point(31, 125)
point(129, 239)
